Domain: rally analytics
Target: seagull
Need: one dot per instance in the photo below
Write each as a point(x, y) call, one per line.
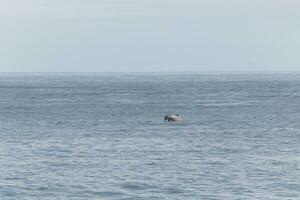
point(172, 118)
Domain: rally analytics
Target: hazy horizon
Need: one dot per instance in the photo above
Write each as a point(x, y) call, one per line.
point(225, 72)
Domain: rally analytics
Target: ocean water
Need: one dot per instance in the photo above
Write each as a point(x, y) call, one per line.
point(103, 136)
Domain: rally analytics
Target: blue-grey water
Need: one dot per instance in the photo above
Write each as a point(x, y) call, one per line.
point(102, 136)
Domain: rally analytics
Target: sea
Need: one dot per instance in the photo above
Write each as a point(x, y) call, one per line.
point(102, 136)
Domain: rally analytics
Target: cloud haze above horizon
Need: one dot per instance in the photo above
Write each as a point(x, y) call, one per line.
point(149, 35)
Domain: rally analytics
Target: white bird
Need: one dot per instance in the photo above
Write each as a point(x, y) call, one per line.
point(172, 118)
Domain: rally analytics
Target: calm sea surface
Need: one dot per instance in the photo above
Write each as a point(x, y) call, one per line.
point(102, 136)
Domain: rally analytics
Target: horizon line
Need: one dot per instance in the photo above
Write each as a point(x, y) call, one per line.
point(176, 71)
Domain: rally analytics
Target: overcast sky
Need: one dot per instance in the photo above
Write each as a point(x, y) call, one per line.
point(149, 35)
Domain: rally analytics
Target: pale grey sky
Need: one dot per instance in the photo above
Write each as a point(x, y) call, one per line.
point(149, 35)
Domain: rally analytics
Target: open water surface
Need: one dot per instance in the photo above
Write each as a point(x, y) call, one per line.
point(102, 136)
